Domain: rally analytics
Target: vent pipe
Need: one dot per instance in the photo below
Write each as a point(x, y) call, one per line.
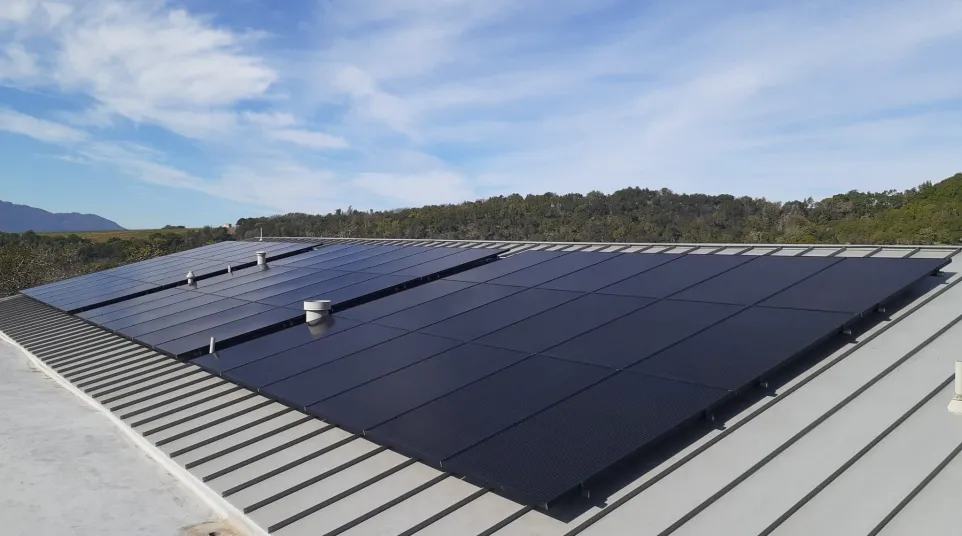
point(317, 309)
point(261, 258)
point(955, 406)
point(229, 270)
point(190, 278)
point(212, 341)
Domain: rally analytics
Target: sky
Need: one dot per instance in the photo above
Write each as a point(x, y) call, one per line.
point(199, 112)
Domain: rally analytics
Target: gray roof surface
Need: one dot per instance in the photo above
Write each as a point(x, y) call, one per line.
point(858, 443)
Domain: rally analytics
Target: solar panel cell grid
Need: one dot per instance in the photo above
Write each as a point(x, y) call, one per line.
point(273, 343)
point(404, 300)
point(182, 302)
point(504, 266)
point(201, 324)
point(546, 455)
point(498, 314)
point(551, 269)
point(200, 309)
point(469, 415)
point(338, 376)
point(638, 335)
point(373, 403)
point(673, 277)
point(854, 285)
point(445, 307)
point(85, 292)
point(242, 327)
point(611, 271)
point(303, 358)
point(274, 287)
point(744, 347)
point(554, 326)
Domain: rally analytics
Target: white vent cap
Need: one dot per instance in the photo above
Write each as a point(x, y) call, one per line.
point(317, 309)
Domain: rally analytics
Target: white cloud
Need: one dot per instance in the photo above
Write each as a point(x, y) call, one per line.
point(16, 10)
point(143, 61)
point(442, 101)
point(39, 129)
point(370, 103)
point(310, 139)
point(269, 119)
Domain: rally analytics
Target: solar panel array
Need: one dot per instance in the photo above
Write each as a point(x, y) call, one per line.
point(140, 278)
point(180, 321)
point(534, 373)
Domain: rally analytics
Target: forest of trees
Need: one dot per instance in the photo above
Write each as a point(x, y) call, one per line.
point(29, 259)
point(928, 214)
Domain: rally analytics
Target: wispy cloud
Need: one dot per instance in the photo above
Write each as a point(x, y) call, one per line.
point(38, 129)
point(307, 138)
point(405, 102)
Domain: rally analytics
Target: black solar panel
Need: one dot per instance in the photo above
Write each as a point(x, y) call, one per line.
point(368, 405)
point(855, 285)
point(638, 335)
point(530, 374)
point(533, 373)
point(243, 304)
point(744, 347)
point(564, 446)
point(146, 277)
point(361, 367)
point(457, 421)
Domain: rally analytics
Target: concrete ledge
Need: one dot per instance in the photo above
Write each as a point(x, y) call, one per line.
point(233, 517)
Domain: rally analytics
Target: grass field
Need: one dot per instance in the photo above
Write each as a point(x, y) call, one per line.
point(103, 236)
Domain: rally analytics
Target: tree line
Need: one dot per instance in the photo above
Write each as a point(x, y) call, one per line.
point(927, 214)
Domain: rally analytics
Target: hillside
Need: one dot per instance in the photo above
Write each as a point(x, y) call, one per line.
point(126, 235)
point(928, 214)
point(19, 218)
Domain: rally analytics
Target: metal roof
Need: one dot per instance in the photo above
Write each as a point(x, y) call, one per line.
point(858, 443)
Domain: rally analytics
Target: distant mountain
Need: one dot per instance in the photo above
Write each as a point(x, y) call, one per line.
point(20, 218)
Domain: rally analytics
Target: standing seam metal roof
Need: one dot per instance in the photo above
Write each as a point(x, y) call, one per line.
point(859, 443)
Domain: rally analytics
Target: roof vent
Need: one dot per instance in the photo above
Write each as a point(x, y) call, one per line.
point(190, 278)
point(261, 258)
point(317, 309)
point(955, 406)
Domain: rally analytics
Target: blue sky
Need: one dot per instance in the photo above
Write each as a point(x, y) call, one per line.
point(204, 111)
